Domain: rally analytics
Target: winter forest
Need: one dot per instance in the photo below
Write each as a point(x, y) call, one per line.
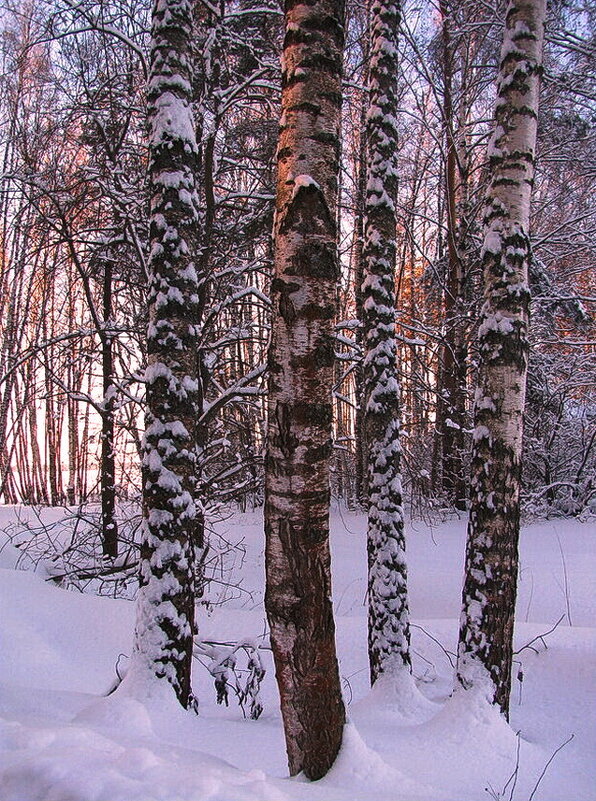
point(297, 400)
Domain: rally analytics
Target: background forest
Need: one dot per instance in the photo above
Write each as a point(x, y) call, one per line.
point(74, 238)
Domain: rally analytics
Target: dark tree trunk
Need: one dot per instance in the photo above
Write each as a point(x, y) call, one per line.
point(109, 526)
point(359, 433)
point(452, 405)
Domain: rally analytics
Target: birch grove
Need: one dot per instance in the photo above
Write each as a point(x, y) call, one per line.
point(236, 282)
point(74, 199)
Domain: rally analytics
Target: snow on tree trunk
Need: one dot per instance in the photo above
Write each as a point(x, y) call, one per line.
point(165, 607)
point(485, 645)
point(388, 626)
point(301, 362)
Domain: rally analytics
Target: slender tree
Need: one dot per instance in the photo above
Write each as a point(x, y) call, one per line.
point(451, 401)
point(165, 609)
point(108, 455)
point(301, 361)
point(388, 627)
point(485, 644)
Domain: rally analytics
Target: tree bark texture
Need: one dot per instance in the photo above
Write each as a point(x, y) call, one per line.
point(165, 610)
point(388, 625)
point(301, 363)
point(109, 526)
point(489, 594)
point(452, 390)
point(361, 477)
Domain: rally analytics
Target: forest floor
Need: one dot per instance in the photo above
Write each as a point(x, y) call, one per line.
point(63, 739)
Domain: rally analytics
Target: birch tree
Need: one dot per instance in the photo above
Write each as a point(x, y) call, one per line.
point(485, 643)
point(301, 361)
point(388, 626)
point(165, 606)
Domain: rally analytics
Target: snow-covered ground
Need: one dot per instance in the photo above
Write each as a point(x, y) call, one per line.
point(63, 739)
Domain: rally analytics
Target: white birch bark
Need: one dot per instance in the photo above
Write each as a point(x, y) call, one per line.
point(301, 363)
point(485, 645)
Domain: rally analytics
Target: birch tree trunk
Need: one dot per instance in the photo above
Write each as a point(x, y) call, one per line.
point(165, 606)
point(489, 594)
point(301, 361)
point(388, 625)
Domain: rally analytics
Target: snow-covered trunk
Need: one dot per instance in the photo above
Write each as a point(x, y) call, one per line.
point(388, 627)
point(165, 607)
point(301, 363)
point(485, 645)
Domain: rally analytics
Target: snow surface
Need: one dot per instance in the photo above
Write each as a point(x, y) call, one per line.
point(63, 739)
